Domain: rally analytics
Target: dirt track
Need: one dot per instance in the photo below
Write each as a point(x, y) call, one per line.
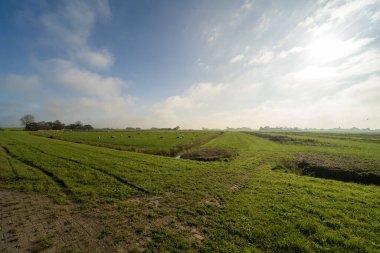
point(31, 222)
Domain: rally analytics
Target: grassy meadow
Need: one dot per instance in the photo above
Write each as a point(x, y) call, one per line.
point(168, 143)
point(253, 192)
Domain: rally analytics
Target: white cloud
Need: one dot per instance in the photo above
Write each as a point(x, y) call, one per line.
point(351, 59)
point(249, 89)
point(300, 80)
point(355, 66)
point(202, 64)
point(83, 81)
point(375, 17)
point(297, 78)
point(364, 93)
point(100, 113)
point(247, 5)
point(72, 25)
point(343, 12)
point(20, 83)
point(242, 12)
point(101, 60)
point(313, 74)
point(365, 63)
point(304, 80)
point(324, 103)
point(203, 90)
point(102, 8)
point(205, 104)
point(327, 49)
point(285, 53)
point(267, 20)
point(321, 29)
point(196, 97)
point(262, 57)
point(212, 35)
point(93, 97)
point(351, 107)
point(237, 58)
point(333, 13)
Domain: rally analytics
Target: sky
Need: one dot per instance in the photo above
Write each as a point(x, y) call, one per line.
point(198, 63)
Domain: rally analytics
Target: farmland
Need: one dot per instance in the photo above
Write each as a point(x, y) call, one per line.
point(167, 143)
point(74, 191)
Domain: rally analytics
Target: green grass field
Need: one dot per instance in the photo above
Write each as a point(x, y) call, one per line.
point(168, 143)
point(258, 200)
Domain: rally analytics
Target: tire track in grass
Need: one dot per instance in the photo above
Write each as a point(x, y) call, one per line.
point(117, 178)
point(61, 183)
point(120, 147)
point(10, 164)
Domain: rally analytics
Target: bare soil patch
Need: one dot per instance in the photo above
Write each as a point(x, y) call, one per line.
point(31, 222)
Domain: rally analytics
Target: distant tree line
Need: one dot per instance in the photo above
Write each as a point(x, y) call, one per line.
point(133, 128)
point(165, 128)
point(30, 125)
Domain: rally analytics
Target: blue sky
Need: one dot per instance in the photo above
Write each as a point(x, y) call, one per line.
point(191, 63)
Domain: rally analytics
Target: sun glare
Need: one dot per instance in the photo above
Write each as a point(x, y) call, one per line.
point(327, 49)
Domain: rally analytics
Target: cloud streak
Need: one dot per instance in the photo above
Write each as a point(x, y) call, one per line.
point(197, 96)
point(73, 25)
point(333, 13)
point(75, 87)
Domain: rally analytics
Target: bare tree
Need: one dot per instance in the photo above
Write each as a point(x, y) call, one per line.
point(27, 119)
